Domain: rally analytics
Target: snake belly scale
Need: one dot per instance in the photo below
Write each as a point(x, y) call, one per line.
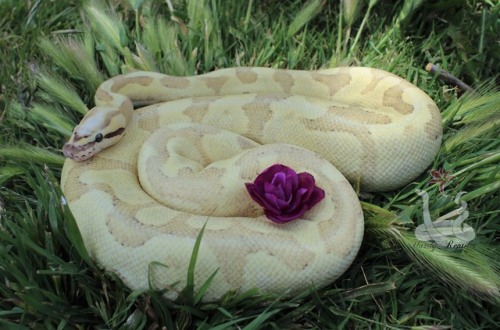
point(142, 183)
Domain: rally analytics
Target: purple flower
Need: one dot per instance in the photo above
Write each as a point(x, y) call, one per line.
point(441, 177)
point(284, 194)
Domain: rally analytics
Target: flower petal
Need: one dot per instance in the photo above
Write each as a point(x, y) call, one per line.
point(278, 191)
point(278, 179)
point(258, 197)
point(306, 181)
point(284, 194)
point(286, 217)
point(253, 193)
point(269, 188)
point(279, 204)
point(290, 185)
point(268, 174)
point(297, 199)
point(317, 195)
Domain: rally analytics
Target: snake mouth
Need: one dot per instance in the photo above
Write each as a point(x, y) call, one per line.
point(78, 152)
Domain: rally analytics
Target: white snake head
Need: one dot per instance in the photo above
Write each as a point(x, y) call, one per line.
point(100, 128)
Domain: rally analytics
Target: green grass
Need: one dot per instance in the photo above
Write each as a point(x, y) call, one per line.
point(53, 56)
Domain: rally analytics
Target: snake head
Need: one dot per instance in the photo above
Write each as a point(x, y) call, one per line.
point(99, 129)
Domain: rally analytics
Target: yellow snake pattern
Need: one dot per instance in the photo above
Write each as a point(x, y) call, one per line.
point(184, 159)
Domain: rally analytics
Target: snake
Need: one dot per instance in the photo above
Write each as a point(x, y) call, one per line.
point(161, 158)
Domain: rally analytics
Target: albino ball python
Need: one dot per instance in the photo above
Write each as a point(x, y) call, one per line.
point(183, 161)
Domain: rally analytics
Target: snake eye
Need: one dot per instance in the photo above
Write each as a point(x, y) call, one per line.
point(98, 137)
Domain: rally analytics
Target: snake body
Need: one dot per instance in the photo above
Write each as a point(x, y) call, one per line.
point(142, 183)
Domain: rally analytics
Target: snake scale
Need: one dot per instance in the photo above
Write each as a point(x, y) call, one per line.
point(142, 183)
